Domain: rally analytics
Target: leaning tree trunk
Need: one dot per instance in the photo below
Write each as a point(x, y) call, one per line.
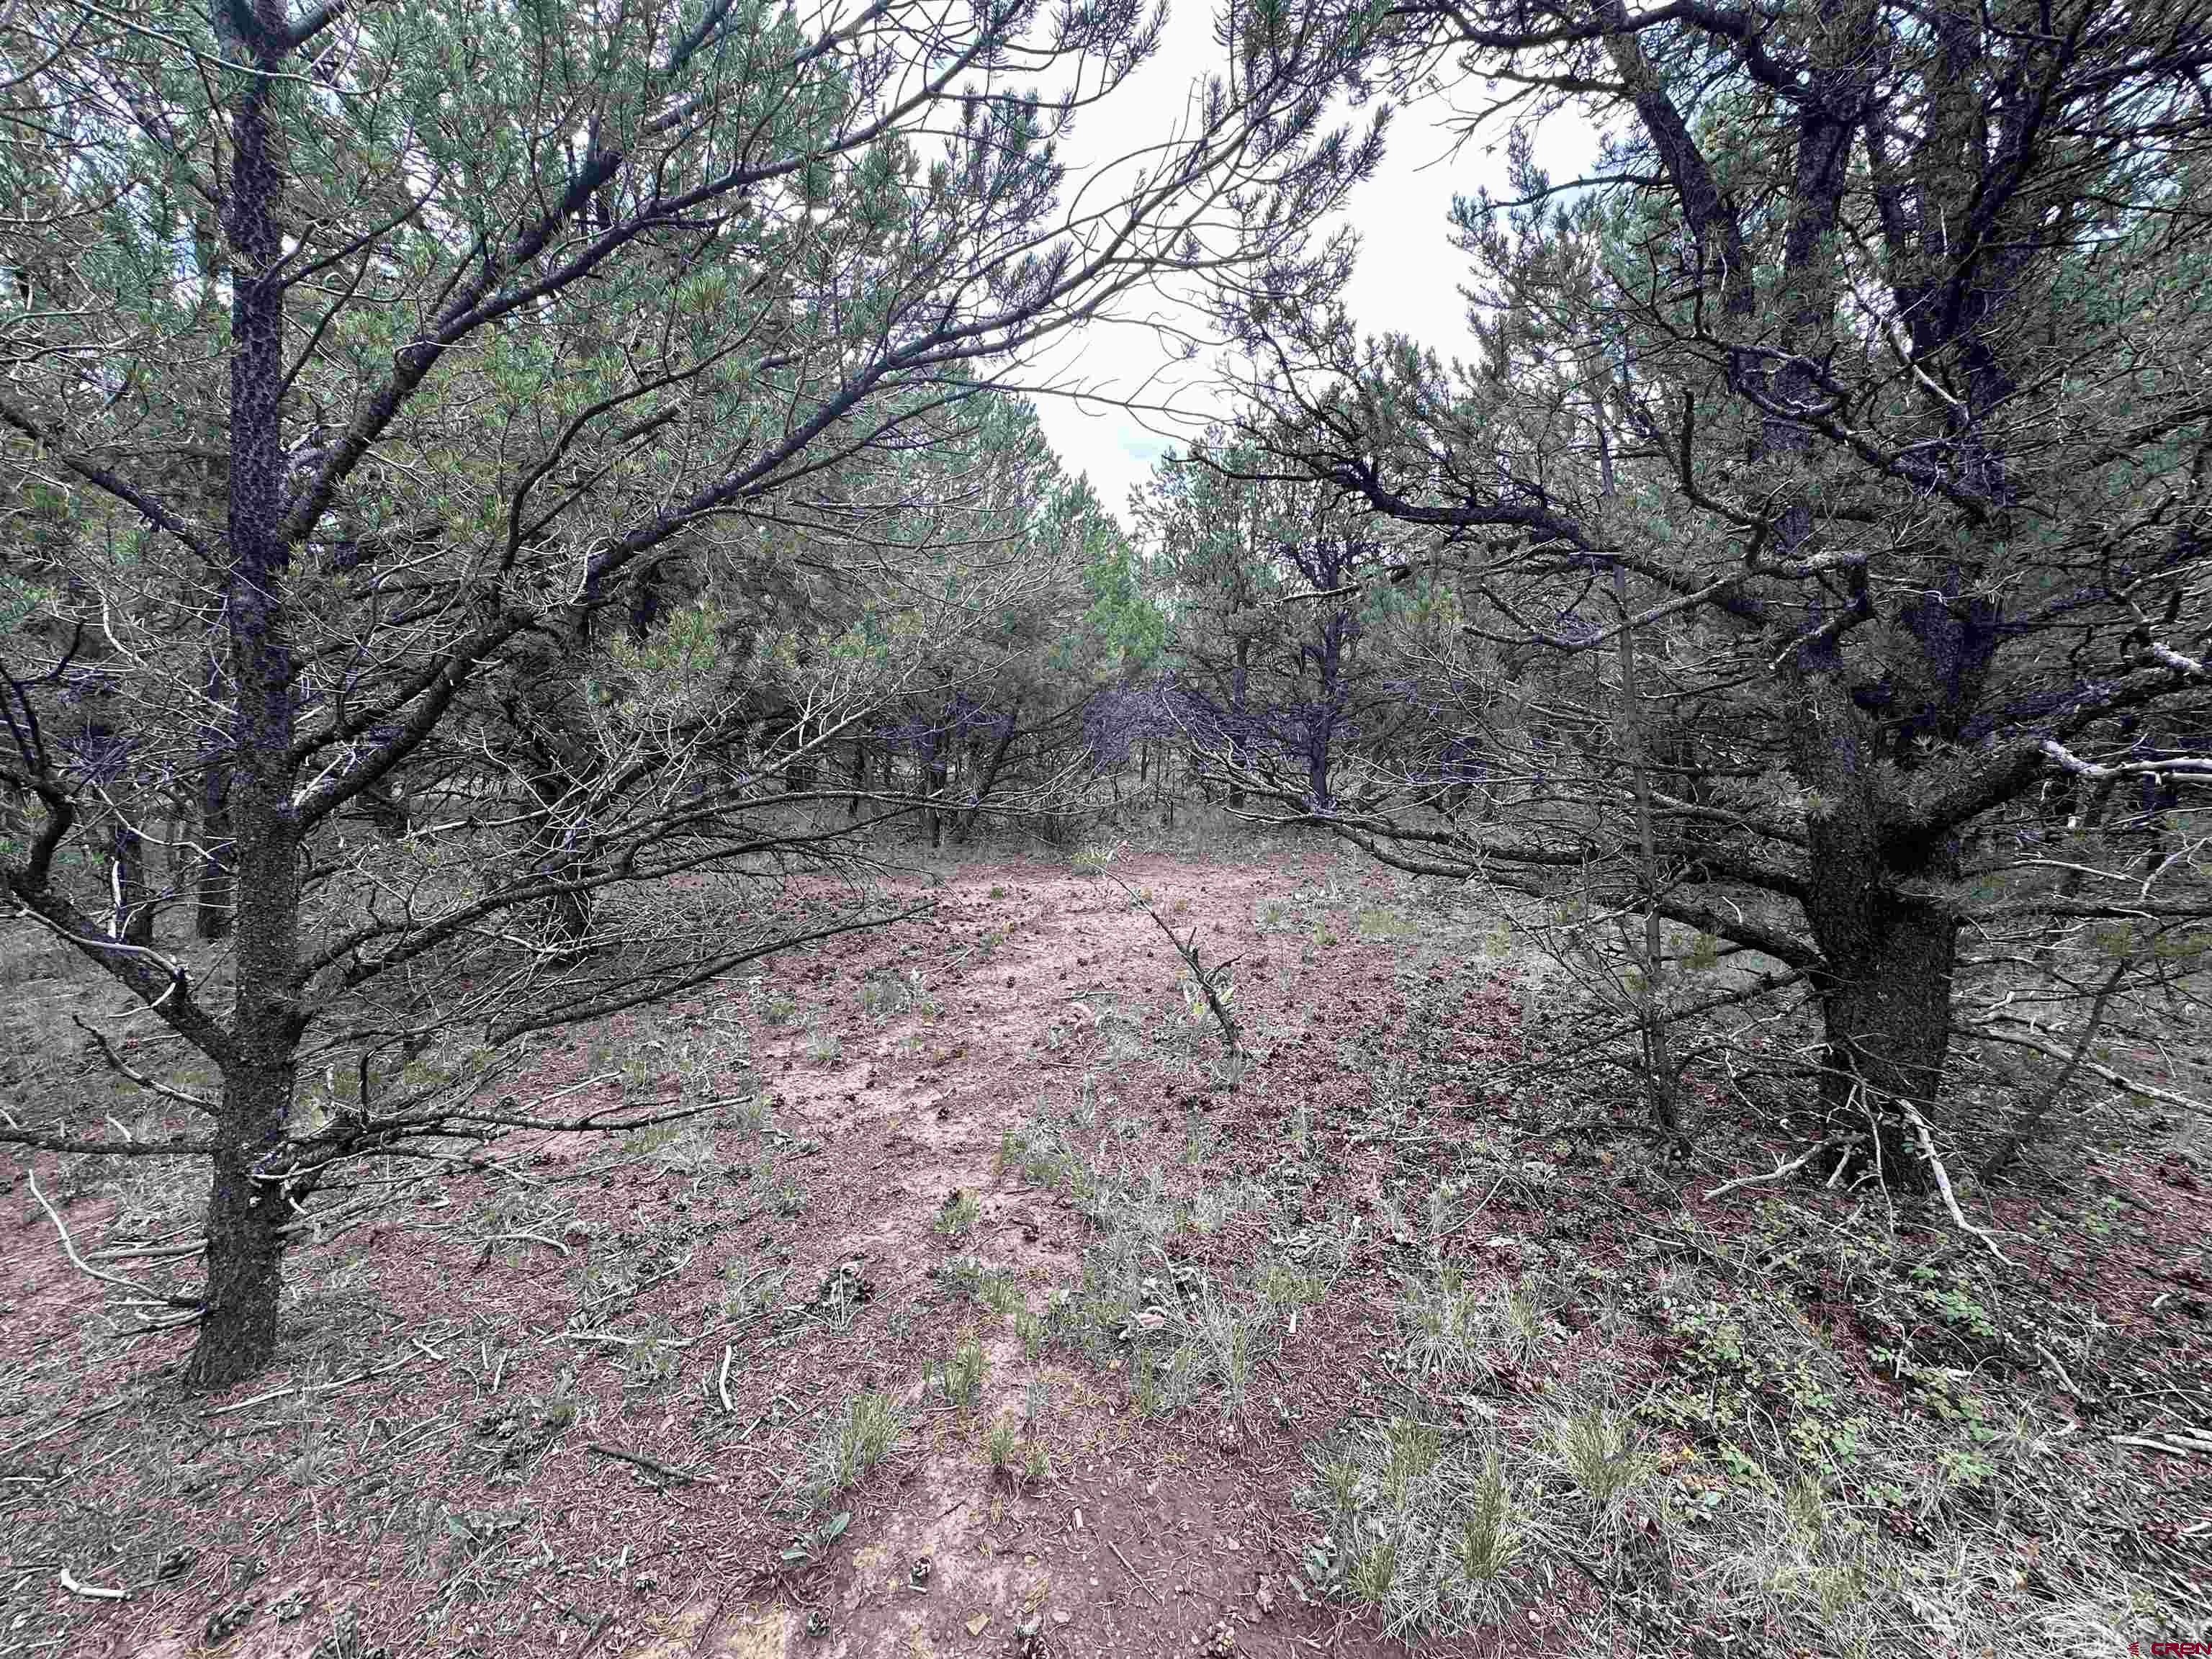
point(245, 1209)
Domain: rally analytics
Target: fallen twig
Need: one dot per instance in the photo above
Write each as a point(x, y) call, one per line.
point(1943, 1182)
point(2065, 1380)
point(1980, 1032)
point(535, 1238)
point(1776, 1173)
point(69, 1248)
point(2025, 1127)
point(2174, 1445)
point(722, 1383)
point(616, 1340)
point(1467, 1220)
point(306, 1389)
point(95, 1592)
point(78, 1421)
point(1208, 979)
point(649, 1466)
point(258, 1400)
point(1134, 1573)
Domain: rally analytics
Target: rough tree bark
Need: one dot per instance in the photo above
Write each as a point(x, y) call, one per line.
point(1889, 954)
point(238, 1330)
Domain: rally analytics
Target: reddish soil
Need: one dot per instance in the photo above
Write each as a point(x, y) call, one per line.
point(425, 1509)
point(446, 1503)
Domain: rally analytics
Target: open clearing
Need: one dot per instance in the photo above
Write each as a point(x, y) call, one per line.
point(999, 1312)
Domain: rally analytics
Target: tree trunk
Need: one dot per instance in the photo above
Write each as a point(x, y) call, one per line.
point(647, 603)
point(1886, 1008)
point(218, 878)
point(569, 920)
point(568, 914)
point(132, 896)
point(1238, 683)
point(238, 1331)
point(245, 1272)
point(1659, 1072)
point(933, 788)
point(798, 769)
point(998, 758)
point(859, 777)
point(1889, 953)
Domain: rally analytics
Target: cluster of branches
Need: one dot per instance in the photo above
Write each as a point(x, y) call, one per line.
point(609, 431)
point(1822, 520)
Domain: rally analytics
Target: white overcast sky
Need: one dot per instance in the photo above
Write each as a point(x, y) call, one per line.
point(1408, 278)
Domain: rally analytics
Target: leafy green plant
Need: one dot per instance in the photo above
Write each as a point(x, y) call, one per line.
point(1414, 1449)
point(752, 1298)
point(655, 1361)
point(1094, 861)
point(753, 1115)
point(1523, 1316)
point(1374, 1572)
point(810, 1541)
point(1288, 1288)
point(1040, 1155)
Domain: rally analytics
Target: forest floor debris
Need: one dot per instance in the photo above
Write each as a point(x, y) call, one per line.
point(1011, 1314)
